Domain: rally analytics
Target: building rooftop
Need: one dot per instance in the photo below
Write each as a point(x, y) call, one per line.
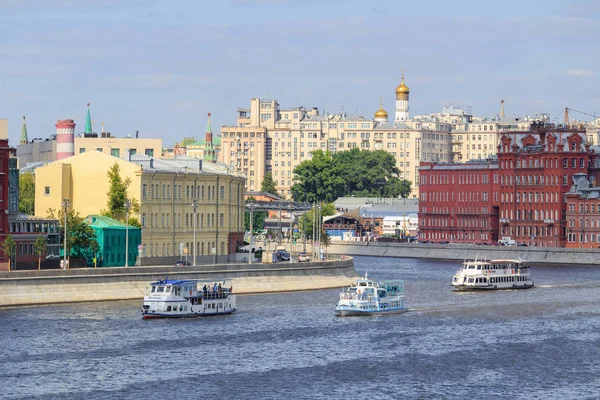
point(101, 221)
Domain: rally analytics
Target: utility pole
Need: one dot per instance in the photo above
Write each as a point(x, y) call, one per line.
point(291, 231)
point(66, 203)
point(127, 207)
point(194, 205)
point(251, 229)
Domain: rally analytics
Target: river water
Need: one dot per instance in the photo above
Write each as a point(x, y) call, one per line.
point(542, 343)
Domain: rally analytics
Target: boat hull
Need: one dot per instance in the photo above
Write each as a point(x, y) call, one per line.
point(347, 312)
point(192, 315)
point(467, 288)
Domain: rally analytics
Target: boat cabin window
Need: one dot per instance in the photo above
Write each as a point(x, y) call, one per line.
point(168, 289)
point(471, 267)
point(478, 267)
point(362, 284)
point(153, 289)
point(160, 289)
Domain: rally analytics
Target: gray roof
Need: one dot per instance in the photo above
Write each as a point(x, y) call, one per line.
point(392, 125)
point(181, 164)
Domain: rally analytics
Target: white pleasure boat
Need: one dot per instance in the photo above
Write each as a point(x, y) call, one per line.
point(368, 297)
point(492, 275)
point(189, 298)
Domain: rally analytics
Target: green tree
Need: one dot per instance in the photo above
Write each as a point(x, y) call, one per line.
point(397, 187)
point(39, 247)
point(326, 177)
point(27, 193)
point(258, 220)
point(92, 252)
point(318, 179)
point(325, 241)
point(305, 222)
point(117, 193)
point(8, 248)
point(268, 184)
point(80, 235)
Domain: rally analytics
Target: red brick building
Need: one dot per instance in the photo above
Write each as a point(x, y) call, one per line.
point(534, 171)
point(458, 203)
point(582, 214)
point(4, 157)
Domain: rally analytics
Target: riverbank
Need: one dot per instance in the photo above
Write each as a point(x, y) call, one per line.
point(533, 255)
point(19, 288)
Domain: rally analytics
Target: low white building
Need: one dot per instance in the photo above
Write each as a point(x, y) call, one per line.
point(407, 224)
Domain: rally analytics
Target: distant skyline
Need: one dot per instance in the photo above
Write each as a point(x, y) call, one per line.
point(159, 67)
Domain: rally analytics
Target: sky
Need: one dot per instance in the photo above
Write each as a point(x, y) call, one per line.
point(160, 66)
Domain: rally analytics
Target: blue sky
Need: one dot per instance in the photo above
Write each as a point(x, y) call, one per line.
point(160, 66)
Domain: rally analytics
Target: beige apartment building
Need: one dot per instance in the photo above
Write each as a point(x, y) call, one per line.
point(165, 190)
point(477, 138)
point(45, 150)
point(3, 128)
point(269, 138)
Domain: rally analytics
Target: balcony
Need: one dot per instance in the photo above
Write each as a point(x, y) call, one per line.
point(549, 221)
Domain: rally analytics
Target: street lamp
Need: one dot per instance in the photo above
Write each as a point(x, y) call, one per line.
point(127, 205)
point(251, 231)
point(194, 205)
point(66, 203)
point(291, 231)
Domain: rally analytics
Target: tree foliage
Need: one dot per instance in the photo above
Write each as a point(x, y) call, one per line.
point(305, 223)
point(80, 235)
point(27, 193)
point(117, 194)
point(362, 173)
point(39, 247)
point(268, 184)
point(8, 248)
point(258, 219)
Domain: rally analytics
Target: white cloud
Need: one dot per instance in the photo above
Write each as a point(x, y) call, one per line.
point(585, 73)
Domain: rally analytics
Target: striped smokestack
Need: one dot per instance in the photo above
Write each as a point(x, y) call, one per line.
point(65, 138)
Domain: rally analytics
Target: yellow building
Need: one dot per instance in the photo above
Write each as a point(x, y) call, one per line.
point(165, 190)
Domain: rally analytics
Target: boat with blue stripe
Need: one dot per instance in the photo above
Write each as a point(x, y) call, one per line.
point(171, 298)
point(368, 297)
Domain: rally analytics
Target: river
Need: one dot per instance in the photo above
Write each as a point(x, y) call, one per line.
point(541, 343)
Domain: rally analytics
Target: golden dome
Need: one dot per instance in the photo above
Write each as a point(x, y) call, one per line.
point(402, 89)
point(381, 113)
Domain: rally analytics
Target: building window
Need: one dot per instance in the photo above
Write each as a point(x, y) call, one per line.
point(115, 152)
point(82, 150)
point(99, 149)
point(132, 151)
point(149, 152)
point(46, 190)
point(144, 190)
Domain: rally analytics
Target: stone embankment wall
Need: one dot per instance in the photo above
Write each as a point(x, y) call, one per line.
point(89, 284)
point(534, 255)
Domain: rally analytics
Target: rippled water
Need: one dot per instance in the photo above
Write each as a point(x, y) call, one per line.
point(541, 343)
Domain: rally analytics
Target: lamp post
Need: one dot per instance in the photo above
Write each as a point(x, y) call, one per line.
point(127, 205)
point(251, 231)
point(291, 231)
point(194, 205)
point(66, 203)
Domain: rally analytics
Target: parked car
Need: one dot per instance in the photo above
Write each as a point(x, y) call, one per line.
point(303, 257)
point(283, 255)
point(181, 263)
